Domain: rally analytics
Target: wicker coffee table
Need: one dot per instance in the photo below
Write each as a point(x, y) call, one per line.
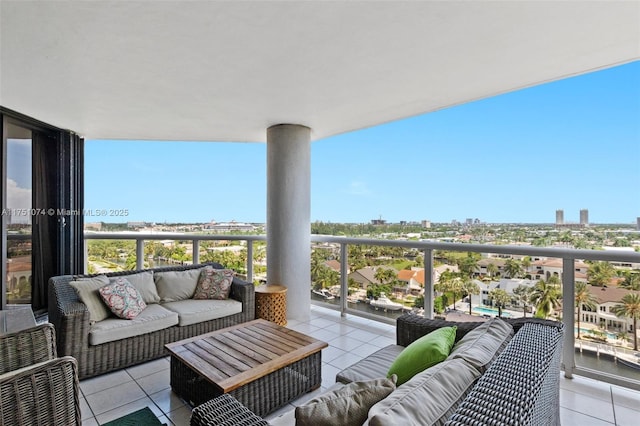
point(261, 364)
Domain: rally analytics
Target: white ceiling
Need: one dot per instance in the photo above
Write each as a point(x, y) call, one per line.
point(226, 71)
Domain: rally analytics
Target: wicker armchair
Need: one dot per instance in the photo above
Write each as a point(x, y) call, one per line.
point(27, 347)
point(36, 388)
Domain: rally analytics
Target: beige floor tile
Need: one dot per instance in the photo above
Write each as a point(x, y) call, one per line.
point(364, 350)
point(331, 353)
point(323, 335)
point(321, 322)
point(90, 422)
point(155, 382)
point(114, 397)
point(627, 416)
point(345, 343)
point(586, 386)
point(181, 416)
point(106, 381)
point(329, 375)
point(85, 411)
point(167, 400)
point(574, 418)
point(344, 361)
point(148, 368)
point(587, 405)
point(363, 335)
point(626, 398)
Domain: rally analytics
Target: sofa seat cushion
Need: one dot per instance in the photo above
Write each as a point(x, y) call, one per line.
point(482, 345)
point(372, 367)
point(193, 311)
point(429, 398)
point(153, 318)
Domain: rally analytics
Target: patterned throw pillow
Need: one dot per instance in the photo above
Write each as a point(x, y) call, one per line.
point(214, 283)
point(122, 298)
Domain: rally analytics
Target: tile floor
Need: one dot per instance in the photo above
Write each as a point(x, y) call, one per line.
point(583, 401)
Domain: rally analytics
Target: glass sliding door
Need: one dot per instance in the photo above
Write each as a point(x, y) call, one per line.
point(41, 194)
point(18, 213)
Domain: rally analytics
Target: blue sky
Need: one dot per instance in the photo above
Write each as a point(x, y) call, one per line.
point(570, 144)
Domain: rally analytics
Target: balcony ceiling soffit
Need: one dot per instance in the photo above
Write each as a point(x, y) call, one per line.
point(225, 71)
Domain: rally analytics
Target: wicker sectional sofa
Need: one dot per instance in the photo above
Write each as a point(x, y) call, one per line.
point(111, 344)
point(502, 373)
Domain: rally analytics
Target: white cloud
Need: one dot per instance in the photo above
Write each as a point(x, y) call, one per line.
point(18, 198)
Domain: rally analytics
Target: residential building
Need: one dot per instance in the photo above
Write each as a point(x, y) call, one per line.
point(602, 316)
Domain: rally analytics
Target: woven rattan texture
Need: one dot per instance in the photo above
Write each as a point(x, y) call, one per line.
point(71, 320)
point(224, 410)
point(522, 386)
point(261, 396)
point(45, 394)
point(272, 307)
point(27, 347)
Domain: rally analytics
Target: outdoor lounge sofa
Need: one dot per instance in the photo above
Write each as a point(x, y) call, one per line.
point(171, 315)
point(486, 380)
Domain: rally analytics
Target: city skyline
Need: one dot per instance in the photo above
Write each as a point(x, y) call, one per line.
point(515, 158)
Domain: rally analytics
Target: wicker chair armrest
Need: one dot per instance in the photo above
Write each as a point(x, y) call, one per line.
point(410, 327)
point(522, 385)
point(244, 292)
point(224, 410)
point(45, 393)
point(69, 316)
point(27, 347)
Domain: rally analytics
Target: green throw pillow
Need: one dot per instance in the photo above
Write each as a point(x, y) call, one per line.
point(423, 353)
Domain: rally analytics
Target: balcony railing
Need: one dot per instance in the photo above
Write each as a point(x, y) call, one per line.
point(568, 256)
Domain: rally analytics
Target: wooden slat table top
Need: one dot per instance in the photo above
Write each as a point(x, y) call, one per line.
point(234, 356)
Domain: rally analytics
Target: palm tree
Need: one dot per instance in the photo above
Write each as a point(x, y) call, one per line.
point(449, 282)
point(600, 273)
point(512, 268)
point(385, 275)
point(467, 265)
point(525, 262)
point(630, 307)
point(546, 296)
point(583, 298)
point(470, 287)
point(500, 299)
point(522, 294)
point(492, 269)
point(631, 280)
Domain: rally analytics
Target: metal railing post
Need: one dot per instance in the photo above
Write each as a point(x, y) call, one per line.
point(139, 253)
point(195, 256)
point(250, 261)
point(344, 278)
point(568, 312)
point(428, 283)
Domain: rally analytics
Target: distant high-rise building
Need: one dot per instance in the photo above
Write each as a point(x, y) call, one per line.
point(638, 223)
point(427, 223)
point(468, 221)
point(584, 217)
point(559, 217)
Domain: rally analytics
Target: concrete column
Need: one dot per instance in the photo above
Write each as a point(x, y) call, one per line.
point(288, 215)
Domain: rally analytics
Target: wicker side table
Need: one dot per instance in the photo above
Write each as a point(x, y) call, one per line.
point(271, 303)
